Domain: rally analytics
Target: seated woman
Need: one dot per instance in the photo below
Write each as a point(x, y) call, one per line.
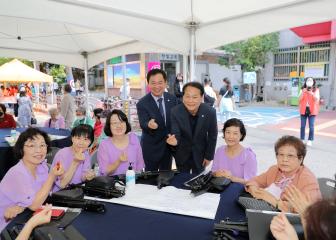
point(55, 120)
point(271, 185)
point(6, 120)
point(121, 149)
point(234, 161)
point(75, 160)
point(28, 183)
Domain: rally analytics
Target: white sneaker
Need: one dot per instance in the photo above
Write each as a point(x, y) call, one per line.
point(309, 143)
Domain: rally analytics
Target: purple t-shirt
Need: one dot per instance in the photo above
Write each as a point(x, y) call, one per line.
point(19, 187)
point(65, 156)
point(108, 154)
point(243, 165)
point(59, 123)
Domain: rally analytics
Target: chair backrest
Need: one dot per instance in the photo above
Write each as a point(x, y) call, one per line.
point(327, 187)
point(50, 156)
point(94, 159)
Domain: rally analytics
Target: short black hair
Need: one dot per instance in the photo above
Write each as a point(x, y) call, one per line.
point(122, 117)
point(3, 107)
point(29, 134)
point(195, 85)
point(235, 122)
point(67, 88)
point(83, 130)
point(156, 71)
point(98, 112)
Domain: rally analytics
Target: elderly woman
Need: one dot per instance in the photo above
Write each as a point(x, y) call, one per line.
point(28, 183)
point(271, 186)
point(121, 149)
point(6, 120)
point(81, 118)
point(75, 159)
point(55, 120)
point(234, 161)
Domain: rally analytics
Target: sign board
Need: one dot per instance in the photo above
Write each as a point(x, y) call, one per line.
point(250, 77)
point(153, 65)
point(169, 57)
point(314, 70)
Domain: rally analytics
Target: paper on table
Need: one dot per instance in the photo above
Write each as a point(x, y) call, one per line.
point(168, 199)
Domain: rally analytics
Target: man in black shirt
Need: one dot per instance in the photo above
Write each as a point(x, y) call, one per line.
point(193, 130)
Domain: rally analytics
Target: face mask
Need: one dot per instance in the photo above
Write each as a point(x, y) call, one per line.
point(80, 118)
point(309, 83)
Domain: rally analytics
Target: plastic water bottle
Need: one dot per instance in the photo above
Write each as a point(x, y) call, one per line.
point(130, 176)
point(96, 170)
point(13, 133)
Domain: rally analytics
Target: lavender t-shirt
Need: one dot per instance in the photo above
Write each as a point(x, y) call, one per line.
point(243, 165)
point(65, 156)
point(108, 154)
point(19, 187)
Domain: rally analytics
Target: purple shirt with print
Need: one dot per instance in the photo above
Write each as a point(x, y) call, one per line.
point(65, 156)
point(243, 165)
point(19, 187)
point(108, 154)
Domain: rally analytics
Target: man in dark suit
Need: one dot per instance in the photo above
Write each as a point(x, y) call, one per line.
point(193, 131)
point(154, 117)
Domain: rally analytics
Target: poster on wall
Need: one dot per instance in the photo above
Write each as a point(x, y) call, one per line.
point(250, 77)
point(132, 72)
point(314, 70)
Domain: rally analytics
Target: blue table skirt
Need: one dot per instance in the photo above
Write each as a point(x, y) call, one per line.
point(124, 222)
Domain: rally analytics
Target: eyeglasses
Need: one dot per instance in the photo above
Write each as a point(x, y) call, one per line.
point(35, 147)
point(287, 156)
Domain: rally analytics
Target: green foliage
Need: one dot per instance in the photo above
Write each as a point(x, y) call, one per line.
point(252, 53)
point(58, 73)
point(6, 60)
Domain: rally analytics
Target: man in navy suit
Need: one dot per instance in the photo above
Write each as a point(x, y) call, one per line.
point(193, 130)
point(154, 117)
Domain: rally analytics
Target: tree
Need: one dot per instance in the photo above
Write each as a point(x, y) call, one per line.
point(58, 73)
point(251, 54)
point(6, 60)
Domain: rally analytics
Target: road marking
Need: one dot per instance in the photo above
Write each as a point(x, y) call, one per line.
point(325, 125)
point(307, 131)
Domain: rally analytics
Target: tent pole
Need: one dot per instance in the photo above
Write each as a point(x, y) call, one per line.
point(86, 79)
point(192, 30)
point(123, 94)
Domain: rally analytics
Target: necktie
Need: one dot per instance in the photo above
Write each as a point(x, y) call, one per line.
point(161, 108)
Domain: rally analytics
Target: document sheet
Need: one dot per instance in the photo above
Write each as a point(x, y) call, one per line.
point(168, 199)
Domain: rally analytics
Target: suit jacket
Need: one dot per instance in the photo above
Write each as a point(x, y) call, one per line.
point(154, 146)
point(200, 145)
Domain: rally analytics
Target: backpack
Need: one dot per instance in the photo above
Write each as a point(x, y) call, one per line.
point(209, 100)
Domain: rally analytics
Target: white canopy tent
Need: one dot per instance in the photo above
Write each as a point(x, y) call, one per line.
point(16, 71)
point(62, 30)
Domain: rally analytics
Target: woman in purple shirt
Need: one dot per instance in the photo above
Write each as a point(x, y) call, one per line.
point(121, 149)
point(234, 161)
point(55, 120)
point(27, 184)
point(75, 160)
